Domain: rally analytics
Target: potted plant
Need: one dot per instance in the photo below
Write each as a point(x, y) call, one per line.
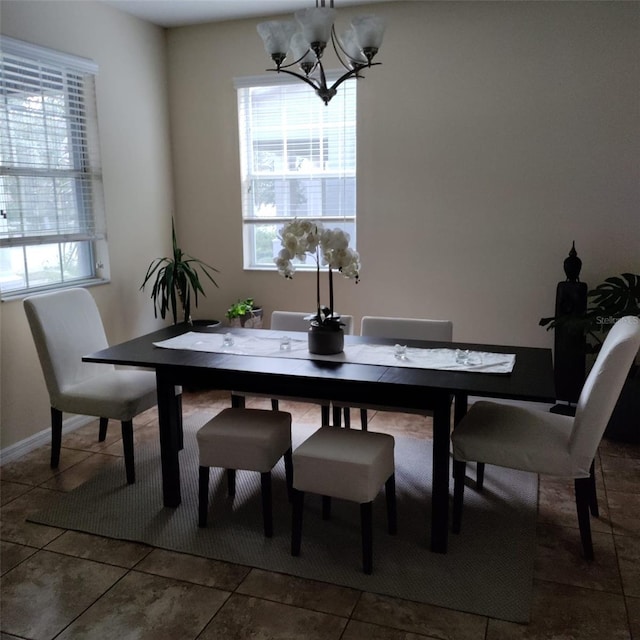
point(615, 298)
point(330, 248)
point(176, 282)
point(245, 313)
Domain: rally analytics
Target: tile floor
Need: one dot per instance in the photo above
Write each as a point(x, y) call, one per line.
point(68, 585)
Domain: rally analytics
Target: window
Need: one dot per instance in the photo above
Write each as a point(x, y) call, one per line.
point(51, 204)
point(298, 160)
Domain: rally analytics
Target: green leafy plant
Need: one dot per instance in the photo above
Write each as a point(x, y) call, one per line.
point(615, 298)
point(241, 308)
point(176, 281)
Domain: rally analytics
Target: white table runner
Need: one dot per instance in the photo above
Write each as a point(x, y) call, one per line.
point(376, 354)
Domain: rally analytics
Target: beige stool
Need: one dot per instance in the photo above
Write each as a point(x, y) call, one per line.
point(248, 439)
point(347, 464)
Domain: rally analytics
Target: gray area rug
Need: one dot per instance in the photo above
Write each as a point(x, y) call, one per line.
point(488, 569)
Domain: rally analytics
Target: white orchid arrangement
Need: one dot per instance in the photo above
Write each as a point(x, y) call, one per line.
point(329, 247)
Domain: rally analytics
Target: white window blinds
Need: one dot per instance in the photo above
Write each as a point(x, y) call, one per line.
point(51, 200)
point(49, 156)
point(298, 159)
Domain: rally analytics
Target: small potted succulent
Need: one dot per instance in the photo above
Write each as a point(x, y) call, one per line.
point(245, 313)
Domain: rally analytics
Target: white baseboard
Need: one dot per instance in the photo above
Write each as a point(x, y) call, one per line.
point(19, 449)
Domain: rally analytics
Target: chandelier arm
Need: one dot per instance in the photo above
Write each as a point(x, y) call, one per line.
point(323, 77)
point(337, 47)
point(309, 81)
point(352, 73)
point(294, 63)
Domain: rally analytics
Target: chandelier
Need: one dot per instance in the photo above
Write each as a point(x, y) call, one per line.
point(306, 38)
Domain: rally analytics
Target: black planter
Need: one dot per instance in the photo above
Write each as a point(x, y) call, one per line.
point(326, 340)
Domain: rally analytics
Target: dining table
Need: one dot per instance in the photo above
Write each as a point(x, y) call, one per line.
point(393, 383)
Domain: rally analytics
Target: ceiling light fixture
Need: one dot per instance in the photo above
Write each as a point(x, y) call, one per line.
point(306, 38)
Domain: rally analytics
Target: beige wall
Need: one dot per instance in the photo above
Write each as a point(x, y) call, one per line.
point(134, 133)
point(493, 135)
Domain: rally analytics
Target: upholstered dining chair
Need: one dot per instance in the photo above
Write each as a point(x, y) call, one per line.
point(397, 329)
point(293, 321)
point(66, 325)
point(549, 443)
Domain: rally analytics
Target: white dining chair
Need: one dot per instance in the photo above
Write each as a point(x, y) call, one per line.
point(293, 321)
point(396, 329)
point(66, 325)
point(549, 443)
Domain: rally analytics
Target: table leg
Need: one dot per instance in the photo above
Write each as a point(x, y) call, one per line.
point(460, 407)
point(440, 478)
point(168, 421)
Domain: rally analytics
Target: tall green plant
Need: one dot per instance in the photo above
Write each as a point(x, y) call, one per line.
point(176, 280)
point(615, 298)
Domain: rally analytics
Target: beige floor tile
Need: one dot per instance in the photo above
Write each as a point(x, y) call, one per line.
point(621, 474)
point(83, 545)
point(147, 607)
point(6, 636)
point(559, 558)
point(364, 631)
point(566, 612)
point(301, 412)
point(400, 424)
point(34, 468)
point(620, 449)
point(203, 571)
point(150, 415)
point(243, 617)
point(11, 490)
point(13, 524)
point(11, 555)
point(309, 594)
point(43, 594)
point(142, 432)
point(624, 512)
point(628, 548)
point(79, 473)
point(633, 611)
point(419, 618)
point(557, 504)
point(86, 438)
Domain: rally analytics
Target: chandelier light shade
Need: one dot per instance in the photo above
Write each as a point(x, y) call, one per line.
point(305, 39)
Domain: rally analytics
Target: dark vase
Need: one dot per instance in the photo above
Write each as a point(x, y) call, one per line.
point(326, 340)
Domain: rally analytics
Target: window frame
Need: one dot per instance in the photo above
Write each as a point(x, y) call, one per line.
point(65, 188)
point(251, 223)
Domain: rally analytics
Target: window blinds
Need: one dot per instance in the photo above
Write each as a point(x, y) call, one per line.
point(50, 174)
point(298, 155)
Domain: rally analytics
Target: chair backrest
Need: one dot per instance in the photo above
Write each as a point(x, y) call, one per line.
point(295, 321)
point(602, 389)
point(66, 325)
point(407, 328)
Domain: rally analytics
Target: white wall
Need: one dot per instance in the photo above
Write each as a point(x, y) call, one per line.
point(493, 135)
point(134, 135)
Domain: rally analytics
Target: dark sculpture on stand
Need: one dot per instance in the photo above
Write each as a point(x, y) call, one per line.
point(569, 363)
